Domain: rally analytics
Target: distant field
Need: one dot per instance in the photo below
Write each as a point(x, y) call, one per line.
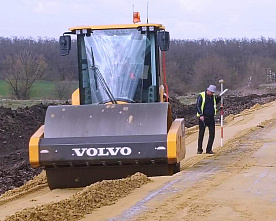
point(188, 99)
point(4, 89)
point(40, 90)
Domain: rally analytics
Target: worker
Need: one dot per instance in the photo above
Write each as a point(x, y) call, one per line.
point(206, 106)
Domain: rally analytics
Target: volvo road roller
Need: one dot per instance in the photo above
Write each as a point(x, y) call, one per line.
point(120, 121)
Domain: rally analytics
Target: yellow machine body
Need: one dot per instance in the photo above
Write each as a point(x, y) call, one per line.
point(118, 123)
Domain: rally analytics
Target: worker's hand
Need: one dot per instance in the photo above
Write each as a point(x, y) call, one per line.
point(201, 118)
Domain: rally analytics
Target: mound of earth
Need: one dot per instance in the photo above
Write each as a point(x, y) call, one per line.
point(99, 194)
point(17, 126)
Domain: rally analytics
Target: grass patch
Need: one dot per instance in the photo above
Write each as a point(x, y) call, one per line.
point(40, 90)
point(188, 99)
point(4, 89)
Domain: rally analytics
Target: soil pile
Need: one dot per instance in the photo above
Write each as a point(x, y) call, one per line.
point(96, 195)
point(188, 112)
point(16, 128)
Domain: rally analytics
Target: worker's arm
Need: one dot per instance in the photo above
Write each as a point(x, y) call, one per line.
point(198, 105)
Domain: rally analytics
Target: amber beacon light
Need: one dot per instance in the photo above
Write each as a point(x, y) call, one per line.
point(136, 17)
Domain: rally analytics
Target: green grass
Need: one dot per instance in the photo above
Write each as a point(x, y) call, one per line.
point(188, 99)
point(39, 90)
point(42, 90)
point(4, 89)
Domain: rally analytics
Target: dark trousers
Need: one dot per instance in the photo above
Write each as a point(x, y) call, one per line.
point(210, 123)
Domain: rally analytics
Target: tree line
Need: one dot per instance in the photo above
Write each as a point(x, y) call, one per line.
point(194, 64)
point(25, 60)
point(191, 64)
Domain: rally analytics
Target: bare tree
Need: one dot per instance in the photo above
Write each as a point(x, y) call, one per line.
point(63, 90)
point(209, 70)
point(174, 76)
point(256, 71)
point(22, 70)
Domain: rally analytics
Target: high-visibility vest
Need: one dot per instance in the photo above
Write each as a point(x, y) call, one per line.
point(203, 103)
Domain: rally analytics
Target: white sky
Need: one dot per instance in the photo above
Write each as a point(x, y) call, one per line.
point(184, 19)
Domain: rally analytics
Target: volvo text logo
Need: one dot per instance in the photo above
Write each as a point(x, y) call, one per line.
point(102, 151)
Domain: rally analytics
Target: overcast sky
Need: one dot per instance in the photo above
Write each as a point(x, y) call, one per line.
point(184, 19)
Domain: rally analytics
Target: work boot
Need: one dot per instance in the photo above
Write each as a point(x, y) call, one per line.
point(210, 152)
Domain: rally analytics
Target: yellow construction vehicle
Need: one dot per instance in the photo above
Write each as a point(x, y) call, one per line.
point(120, 121)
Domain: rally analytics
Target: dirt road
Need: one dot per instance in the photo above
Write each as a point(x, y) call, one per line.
point(238, 182)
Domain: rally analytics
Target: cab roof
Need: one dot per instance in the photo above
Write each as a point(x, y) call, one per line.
point(126, 26)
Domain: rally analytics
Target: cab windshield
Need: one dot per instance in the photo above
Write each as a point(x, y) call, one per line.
point(116, 64)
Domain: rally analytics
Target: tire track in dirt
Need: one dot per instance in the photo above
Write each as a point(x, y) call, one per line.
point(170, 187)
point(186, 195)
point(35, 184)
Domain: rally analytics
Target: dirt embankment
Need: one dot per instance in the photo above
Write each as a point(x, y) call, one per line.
point(17, 126)
point(83, 202)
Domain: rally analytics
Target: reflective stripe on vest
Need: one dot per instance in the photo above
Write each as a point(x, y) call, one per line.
point(203, 103)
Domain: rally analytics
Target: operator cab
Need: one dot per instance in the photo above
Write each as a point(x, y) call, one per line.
point(118, 63)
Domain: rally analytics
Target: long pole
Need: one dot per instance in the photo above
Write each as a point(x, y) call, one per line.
point(133, 14)
point(147, 11)
point(221, 113)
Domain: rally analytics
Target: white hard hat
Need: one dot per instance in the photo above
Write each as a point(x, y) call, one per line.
point(212, 88)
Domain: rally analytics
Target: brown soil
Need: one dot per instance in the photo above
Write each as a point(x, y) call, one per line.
point(17, 126)
point(96, 195)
